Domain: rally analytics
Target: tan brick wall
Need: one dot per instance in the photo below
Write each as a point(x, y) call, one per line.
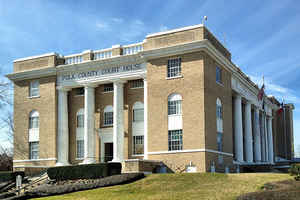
point(87, 56)
point(178, 162)
point(46, 105)
point(190, 87)
point(42, 62)
point(117, 51)
point(214, 90)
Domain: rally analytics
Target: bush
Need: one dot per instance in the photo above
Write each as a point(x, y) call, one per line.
point(295, 171)
point(10, 176)
point(89, 171)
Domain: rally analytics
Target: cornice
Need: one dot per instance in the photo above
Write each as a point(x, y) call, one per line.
point(37, 73)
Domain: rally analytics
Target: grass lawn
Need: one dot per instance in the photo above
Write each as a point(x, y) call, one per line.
point(180, 186)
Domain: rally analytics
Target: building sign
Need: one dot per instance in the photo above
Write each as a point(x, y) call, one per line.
point(100, 72)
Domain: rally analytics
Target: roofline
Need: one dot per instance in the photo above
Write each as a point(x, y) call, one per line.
point(174, 30)
point(34, 57)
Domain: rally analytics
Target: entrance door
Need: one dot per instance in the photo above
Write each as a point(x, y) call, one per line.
point(108, 153)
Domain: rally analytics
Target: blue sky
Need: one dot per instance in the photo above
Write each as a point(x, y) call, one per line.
point(263, 36)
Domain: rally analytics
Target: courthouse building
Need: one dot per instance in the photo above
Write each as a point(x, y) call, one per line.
point(176, 97)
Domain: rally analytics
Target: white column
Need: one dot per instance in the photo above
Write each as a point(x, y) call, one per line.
point(248, 133)
point(62, 128)
point(145, 119)
point(238, 129)
point(270, 139)
point(118, 129)
point(102, 151)
point(89, 125)
point(257, 142)
point(262, 131)
point(266, 139)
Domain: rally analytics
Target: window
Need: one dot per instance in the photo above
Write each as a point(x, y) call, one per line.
point(220, 141)
point(34, 90)
point(218, 75)
point(175, 140)
point(138, 144)
point(137, 83)
point(33, 150)
point(79, 148)
point(80, 120)
point(108, 116)
point(174, 67)
point(174, 104)
point(80, 133)
point(138, 112)
point(79, 91)
point(34, 121)
point(108, 87)
point(219, 116)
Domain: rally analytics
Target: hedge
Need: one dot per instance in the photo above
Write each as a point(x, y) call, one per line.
point(87, 171)
point(295, 171)
point(10, 176)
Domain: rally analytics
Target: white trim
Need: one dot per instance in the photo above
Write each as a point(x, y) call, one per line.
point(174, 77)
point(35, 160)
point(102, 50)
point(190, 151)
point(174, 30)
point(73, 55)
point(137, 155)
point(34, 57)
point(132, 45)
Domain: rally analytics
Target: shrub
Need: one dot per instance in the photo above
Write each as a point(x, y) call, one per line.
point(10, 176)
point(88, 171)
point(295, 171)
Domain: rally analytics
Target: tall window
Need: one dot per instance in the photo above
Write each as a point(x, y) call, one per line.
point(175, 122)
point(174, 67)
point(33, 135)
point(138, 144)
point(108, 116)
point(80, 134)
point(108, 87)
point(174, 104)
point(34, 89)
point(79, 91)
point(175, 140)
point(218, 75)
point(219, 115)
point(138, 112)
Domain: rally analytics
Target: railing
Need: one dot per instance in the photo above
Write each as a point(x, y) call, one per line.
point(132, 49)
point(73, 59)
point(102, 54)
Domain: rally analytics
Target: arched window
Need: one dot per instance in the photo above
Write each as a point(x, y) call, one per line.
point(108, 116)
point(34, 134)
point(175, 122)
point(138, 112)
point(219, 115)
point(174, 104)
point(80, 134)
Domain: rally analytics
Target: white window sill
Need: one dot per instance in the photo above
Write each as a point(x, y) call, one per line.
point(79, 95)
point(79, 158)
point(221, 84)
point(107, 125)
point(174, 77)
point(136, 88)
point(137, 155)
point(107, 92)
point(33, 97)
point(175, 115)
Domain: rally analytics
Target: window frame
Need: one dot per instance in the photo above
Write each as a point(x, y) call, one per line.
point(36, 150)
point(174, 68)
point(107, 88)
point(172, 146)
point(79, 149)
point(137, 138)
point(219, 75)
point(34, 88)
point(136, 84)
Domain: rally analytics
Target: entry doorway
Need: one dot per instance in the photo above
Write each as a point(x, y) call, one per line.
point(108, 152)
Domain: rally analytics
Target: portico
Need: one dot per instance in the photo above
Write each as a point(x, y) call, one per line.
point(113, 135)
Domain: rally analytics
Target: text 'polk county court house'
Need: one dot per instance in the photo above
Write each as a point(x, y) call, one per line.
point(174, 98)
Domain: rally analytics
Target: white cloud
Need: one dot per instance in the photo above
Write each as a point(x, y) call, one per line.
point(117, 20)
point(103, 26)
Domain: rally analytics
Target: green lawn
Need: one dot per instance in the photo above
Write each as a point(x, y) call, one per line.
point(180, 186)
